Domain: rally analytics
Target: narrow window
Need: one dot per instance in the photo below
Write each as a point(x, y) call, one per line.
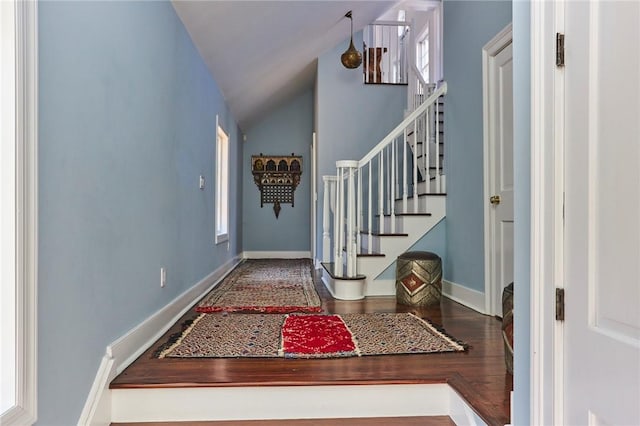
point(429, 46)
point(422, 55)
point(222, 185)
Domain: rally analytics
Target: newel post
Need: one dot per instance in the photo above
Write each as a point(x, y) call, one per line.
point(327, 207)
point(347, 171)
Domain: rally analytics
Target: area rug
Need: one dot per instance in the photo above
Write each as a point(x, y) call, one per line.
point(316, 336)
point(265, 285)
point(223, 335)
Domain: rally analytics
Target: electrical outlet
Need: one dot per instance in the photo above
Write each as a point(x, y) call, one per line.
point(163, 276)
point(201, 182)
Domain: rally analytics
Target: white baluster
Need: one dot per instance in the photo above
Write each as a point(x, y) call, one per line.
point(338, 228)
point(389, 180)
point(351, 218)
point(392, 196)
point(415, 167)
point(381, 191)
point(370, 211)
point(438, 189)
point(427, 149)
point(405, 178)
point(359, 213)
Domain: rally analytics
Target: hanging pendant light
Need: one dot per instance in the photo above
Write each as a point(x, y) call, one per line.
point(351, 58)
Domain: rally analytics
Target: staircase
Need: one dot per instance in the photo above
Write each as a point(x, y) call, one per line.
point(378, 207)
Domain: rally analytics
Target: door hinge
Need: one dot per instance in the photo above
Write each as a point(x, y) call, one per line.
point(559, 49)
point(559, 304)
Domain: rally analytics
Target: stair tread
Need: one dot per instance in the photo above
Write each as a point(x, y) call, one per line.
point(414, 214)
point(352, 421)
point(424, 194)
point(407, 214)
point(328, 266)
point(371, 255)
point(441, 154)
point(385, 234)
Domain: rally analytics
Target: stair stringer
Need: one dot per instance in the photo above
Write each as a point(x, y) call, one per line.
point(393, 246)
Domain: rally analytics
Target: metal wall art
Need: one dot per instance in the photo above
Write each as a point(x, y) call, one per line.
point(277, 177)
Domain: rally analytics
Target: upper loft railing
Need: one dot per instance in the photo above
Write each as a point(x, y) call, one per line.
point(386, 49)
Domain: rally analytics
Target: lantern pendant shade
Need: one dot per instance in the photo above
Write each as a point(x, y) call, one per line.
point(351, 58)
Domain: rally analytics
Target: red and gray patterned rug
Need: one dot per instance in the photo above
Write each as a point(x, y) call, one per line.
point(225, 335)
point(265, 285)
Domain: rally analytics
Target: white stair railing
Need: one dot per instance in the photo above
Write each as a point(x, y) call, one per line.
point(367, 190)
point(397, 159)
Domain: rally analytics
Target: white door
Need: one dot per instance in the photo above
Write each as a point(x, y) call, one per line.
point(500, 92)
point(602, 214)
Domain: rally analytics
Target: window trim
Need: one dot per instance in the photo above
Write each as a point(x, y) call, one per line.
point(26, 35)
point(432, 31)
point(222, 166)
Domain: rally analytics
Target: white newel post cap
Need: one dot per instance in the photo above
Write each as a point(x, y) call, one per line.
point(351, 164)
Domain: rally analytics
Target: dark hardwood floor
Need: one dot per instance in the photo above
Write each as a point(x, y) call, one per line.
point(478, 375)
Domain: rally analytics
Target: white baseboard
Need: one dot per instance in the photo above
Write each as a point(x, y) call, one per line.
point(460, 411)
point(327, 281)
point(276, 254)
point(473, 299)
point(123, 351)
point(97, 407)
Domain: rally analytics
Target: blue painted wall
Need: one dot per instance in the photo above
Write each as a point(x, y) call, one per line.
point(468, 26)
point(127, 124)
point(435, 241)
point(288, 129)
point(352, 117)
point(522, 208)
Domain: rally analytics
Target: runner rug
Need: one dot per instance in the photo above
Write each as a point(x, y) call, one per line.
point(225, 335)
point(265, 285)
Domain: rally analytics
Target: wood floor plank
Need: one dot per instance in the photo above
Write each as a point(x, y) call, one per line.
point(479, 374)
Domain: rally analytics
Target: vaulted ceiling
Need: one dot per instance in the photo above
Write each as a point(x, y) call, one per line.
point(263, 52)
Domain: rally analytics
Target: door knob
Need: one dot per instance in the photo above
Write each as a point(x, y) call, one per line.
point(495, 199)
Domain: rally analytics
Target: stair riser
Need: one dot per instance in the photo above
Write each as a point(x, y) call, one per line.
point(425, 203)
point(430, 187)
point(392, 247)
point(387, 228)
point(366, 242)
point(375, 241)
point(280, 402)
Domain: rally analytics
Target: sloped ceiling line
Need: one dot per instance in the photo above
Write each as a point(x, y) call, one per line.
point(261, 53)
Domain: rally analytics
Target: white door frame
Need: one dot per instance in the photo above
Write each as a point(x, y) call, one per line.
point(489, 51)
point(547, 189)
point(24, 410)
point(314, 200)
